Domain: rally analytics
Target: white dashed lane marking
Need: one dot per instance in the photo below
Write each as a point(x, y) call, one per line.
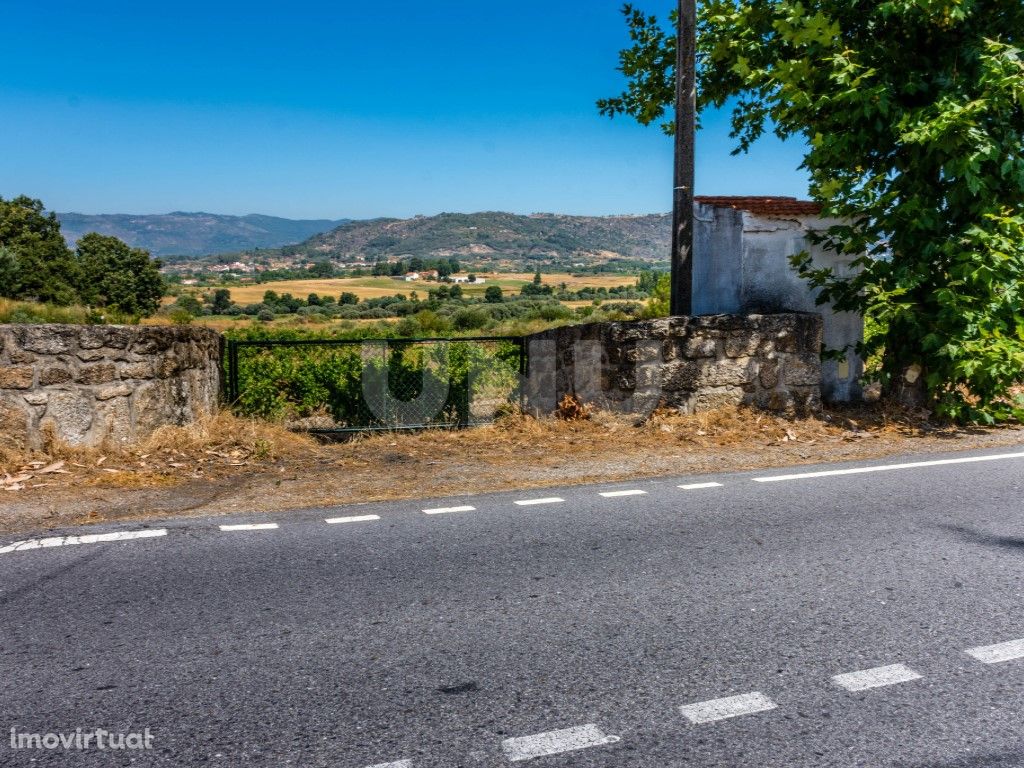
point(92, 538)
point(356, 519)
point(617, 494)
point(700, 486)
point(251, 527)
point(889, 467)
point(555, 742)
point(994, 654)
point(398, 764)
point(533, 502)
point(731, 706)
point(875, 678)
point(447, 510)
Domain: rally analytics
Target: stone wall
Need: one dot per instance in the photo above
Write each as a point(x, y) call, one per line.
point(689, 363)
point(741, 265)
point(85, 385)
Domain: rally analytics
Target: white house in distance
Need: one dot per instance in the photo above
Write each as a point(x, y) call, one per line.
point(741, 253)
point(465, 279)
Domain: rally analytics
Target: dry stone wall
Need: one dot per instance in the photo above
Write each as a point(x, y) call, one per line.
point(691, 364)
point(85, 385)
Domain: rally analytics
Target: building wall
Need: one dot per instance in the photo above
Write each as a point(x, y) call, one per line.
point(688, 363)
point(86, 385)
point(741, 265)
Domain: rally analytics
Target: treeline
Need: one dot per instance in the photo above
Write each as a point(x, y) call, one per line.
point(446, 297)
point(444, 309)
point(37, 265)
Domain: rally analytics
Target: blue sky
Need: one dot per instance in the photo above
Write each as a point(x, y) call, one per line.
point(340, 109)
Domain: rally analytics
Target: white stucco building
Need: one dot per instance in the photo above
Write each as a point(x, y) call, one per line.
point(741, 265)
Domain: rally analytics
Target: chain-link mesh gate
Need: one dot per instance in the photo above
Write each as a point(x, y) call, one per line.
point(329, 385)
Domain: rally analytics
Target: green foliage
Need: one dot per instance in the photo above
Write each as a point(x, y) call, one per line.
point(493, 294)
point(299, 382)
point(36, 264)
point(180, 316)
point(522, 241)
point(913, 113)
point(43, 268)
point(116, 275)
point(37, 312)
point(661, 294)
point(322, 269)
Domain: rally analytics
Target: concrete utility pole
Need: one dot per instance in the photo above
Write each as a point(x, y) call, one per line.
point(686, 119)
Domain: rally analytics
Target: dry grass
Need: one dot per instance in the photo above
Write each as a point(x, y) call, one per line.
point(227, 464)
point(376, 287)
point(214, 446)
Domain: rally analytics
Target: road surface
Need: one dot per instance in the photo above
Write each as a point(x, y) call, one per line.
point(870, 616)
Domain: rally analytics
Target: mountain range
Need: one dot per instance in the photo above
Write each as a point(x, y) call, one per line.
point(493, 239)
point(496, 238)
point(194, 234)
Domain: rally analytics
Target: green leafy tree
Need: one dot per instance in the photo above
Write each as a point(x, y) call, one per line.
point(9, 271)
point(322, 269)
point(118, 276)
point(221, 303)
point(913, 116)
point(190, 304)
point(494, 295)
point(658, 306)
point(43, 268)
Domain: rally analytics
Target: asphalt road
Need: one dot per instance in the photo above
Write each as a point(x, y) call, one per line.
point(588, 631)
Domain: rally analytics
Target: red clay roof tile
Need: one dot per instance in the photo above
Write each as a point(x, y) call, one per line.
point(763, 206)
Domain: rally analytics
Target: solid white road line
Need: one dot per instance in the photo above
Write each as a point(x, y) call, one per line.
point(446, 510)
point(877, 677)
point(889, 467)
point(993, 654)
point(532, 502)
point(700, 486)
point(250, 527)
point(92, 538)
point(398, 764)
point(617, 494)
point(357, 519)
point(555, 742)
point(731, 706)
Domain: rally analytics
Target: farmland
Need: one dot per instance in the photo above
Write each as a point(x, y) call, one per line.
point(377, 287)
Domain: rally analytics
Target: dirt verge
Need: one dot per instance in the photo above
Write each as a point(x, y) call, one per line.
point(231, 465)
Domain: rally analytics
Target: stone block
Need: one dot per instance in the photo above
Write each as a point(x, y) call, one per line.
point(680, 376)
point(718, 397)
point(742, 343)
point(47, 339)
point(152, 340)
point(113, 422)
point(140, 370)
point(15, 421)
point(16, 377)
point(769, 373)
point(702, 345)
point(69, 415)
point(37, 398)
point(802, 371)
point(114, 390)
point(99, 373)
point(724, 373)
point(54, 375)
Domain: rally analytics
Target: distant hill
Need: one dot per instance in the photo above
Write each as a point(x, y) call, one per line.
point(543, 238)
point(194, 234)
